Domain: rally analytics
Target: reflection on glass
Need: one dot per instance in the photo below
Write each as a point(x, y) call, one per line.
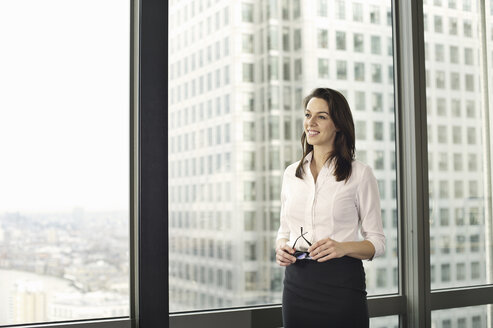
point(457, 185)
point(64, 172)
point(267, 81)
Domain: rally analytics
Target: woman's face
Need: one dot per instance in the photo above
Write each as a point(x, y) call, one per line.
point(319, 128)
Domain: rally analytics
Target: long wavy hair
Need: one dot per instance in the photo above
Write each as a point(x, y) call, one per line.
point(343, 152)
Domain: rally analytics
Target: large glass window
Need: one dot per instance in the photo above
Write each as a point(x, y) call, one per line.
point(466, 317)
point(460, 204)
point(268, 120)
point(64, 135)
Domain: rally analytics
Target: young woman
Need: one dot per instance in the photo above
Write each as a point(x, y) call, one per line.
point(328, 199)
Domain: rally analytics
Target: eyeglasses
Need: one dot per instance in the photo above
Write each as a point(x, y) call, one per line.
point(302, 255)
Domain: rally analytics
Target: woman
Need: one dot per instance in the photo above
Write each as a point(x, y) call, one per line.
point(327, 198)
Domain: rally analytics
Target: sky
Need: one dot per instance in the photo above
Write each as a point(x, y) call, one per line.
point(64, 105)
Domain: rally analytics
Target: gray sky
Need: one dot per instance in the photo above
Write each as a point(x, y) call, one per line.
point(64, 80)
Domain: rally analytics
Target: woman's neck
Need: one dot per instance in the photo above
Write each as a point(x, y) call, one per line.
point(320, 155)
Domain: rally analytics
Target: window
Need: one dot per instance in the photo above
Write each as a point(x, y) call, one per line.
point(377, 105)
point(272, 38)
point(323, 38)
point(74, 206)
point(340, 40)
point(341, 67)
point(379, 161)
point(286, 69)
point(468, 56)
point(454, 54)
point(297, 39)
point(247, 45)
point(469, 82)
point(440, 79)
point(467, 27)
point(438, 23)
point(340, 6)
point(323, 68)
point(272, 69)
point(358, 42)
point(375, 45)
point(359, 71)
point(452, 26)
point(439, 53)
point(248, 72)
point(360, 130)
point(357, 12)
point(360, 101)
point(247, 12)
point(378, 131)
point(375, 14)
point(322, 8)
point(448, 131)
point(376, 73)
point(285, 39)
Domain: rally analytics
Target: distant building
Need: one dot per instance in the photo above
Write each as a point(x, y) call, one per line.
point(73, 306)
point(28, 302)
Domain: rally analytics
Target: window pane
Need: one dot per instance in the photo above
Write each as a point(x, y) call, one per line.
point(266, 122)
point(391, 321)
point(457, 174)
point(64, 131)
point(466, 317)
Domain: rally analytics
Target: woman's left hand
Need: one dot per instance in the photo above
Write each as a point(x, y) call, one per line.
point(327, 249)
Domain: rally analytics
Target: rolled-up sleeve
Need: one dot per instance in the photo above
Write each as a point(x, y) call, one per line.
point(283, 231)
point(368, 202)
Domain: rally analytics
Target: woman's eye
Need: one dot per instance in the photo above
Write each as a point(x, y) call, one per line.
point(322, 117)
point(306, 115)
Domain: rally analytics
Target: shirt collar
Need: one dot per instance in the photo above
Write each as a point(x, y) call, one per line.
point(308, 159)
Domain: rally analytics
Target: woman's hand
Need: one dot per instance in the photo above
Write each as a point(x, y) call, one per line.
point(284, 253)
point(327, 249)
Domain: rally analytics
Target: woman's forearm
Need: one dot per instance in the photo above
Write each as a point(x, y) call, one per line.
point(362, 250)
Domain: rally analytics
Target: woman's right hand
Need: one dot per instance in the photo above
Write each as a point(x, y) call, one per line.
point(284, 255)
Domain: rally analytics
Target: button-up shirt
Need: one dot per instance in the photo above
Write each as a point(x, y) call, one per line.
point(340, 210)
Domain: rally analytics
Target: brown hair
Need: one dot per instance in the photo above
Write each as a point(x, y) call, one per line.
point(340, 113)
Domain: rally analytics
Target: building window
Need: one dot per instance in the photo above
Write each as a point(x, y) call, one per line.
point(360, 101)
point(341, 67)
point(438, 23)
point(323, 38)
point(452, 26)
point(358, 42)
point(248, 72)
point(357, 12)
point(445, 272)
point(340, 9)
point(378, 131)
point(247, 12)
point(359, 71)
point(376, 46)
point(322, 8)
point(377, 102)
point(375, 14)
point(323, 68)
point(340, 40)
point(379, 160)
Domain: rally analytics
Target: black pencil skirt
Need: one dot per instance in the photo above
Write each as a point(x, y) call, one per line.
point(328, 294)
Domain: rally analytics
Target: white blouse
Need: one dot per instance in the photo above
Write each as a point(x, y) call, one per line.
point(328, 208)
